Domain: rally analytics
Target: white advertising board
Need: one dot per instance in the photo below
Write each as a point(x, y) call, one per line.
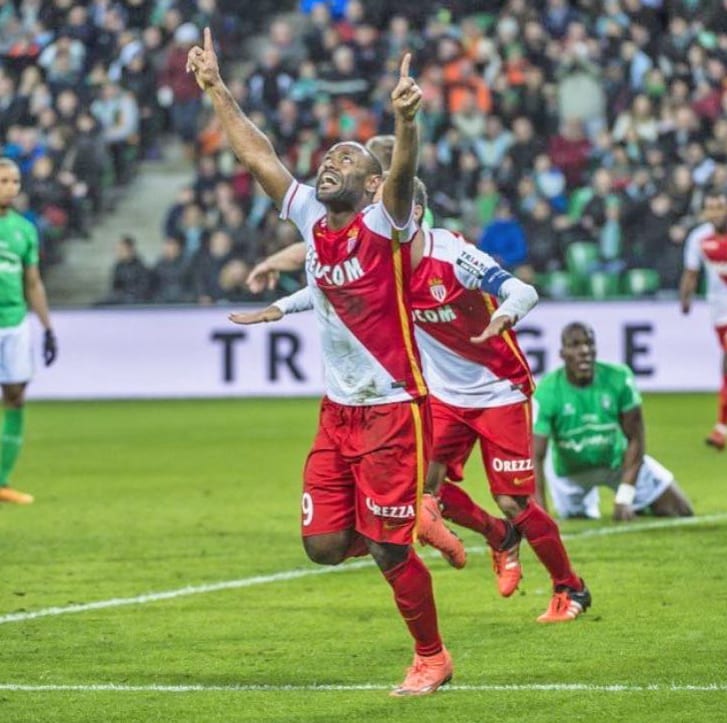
point(197, 352)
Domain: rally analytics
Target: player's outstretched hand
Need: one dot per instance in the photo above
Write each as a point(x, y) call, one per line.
point(272, 313)
point(623, 513)
point(406, 98)
point(50, 347)
point(203, 63)
point(497, 326)
point(262, 278)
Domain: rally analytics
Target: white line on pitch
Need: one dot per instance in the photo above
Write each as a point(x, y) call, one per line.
point(554, 687)
point(307, 572)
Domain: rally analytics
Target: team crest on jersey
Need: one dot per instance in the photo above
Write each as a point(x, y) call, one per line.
point(437, 289)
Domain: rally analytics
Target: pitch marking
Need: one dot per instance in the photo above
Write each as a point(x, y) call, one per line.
point(544, 687)
point(307, 572)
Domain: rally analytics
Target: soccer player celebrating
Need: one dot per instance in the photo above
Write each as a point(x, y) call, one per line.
point(706, 246)
point(19, 280)
point(591, 413)
point(480, 387)
point(367, 461)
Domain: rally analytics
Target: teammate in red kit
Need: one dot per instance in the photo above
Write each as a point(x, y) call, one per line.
point(480, 386)
point(706, 246)
point(365, 469)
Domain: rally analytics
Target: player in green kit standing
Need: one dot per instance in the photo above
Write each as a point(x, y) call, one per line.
point(591, 413)
point(20, 285)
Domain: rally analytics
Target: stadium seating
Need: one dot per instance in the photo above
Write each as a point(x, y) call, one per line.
point(556, 284)
point(581, 257)
point(603, 285)
point(640, 282)
point(578, 201)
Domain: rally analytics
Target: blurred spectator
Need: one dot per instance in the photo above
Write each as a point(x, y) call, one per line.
point(118, 114)
point(178, 89)
point(544, 252)
point(130, 277)
point(207, 266)
point(569, 151)
point(269, 81)
point(169, 279)
point(344, 80)
point(504, 239)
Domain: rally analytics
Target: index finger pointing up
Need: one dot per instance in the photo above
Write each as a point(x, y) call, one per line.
point(207, 39)
point(405, 63)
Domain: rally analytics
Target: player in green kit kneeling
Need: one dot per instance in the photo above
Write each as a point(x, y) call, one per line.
point(591, 413)
point(19, 280)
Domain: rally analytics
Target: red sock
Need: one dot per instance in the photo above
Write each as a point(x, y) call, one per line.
point(542, 532)
point(722, 415)
point(461, 509)
point(357, 547)
point(414, 596)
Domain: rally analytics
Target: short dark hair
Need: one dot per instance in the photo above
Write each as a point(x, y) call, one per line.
point(382, 148)
point(576, 326)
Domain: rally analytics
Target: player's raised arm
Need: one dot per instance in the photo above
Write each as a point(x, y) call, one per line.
point(248, 143)
point(265, 274)
point(399, 190)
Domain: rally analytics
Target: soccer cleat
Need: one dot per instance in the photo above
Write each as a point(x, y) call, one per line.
point(426, 674)
point(432, 531)
point(8, 494)
point(716, 439)
point(506, 562)
point(566, 604)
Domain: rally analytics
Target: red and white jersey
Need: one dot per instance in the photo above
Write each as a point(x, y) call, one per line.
point(449, 308)
point(359, 277)
point(705, 247)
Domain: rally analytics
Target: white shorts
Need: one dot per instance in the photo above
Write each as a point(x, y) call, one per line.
point(16, 354)
point(577, 495)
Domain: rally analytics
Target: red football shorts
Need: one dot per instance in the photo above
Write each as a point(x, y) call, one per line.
point(506, 442)
point(366, 470)
point(722, 336)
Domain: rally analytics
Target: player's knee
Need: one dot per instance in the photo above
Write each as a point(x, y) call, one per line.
point(511, 506)
point(672, 504)
point(388, 556)
point(13, 396)
point(325, 549)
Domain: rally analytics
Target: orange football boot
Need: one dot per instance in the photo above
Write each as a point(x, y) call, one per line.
point(8, 494)
point(432, 531)
point(506, 563)
point(426, 674)
point(716, 439)
point(566, 604)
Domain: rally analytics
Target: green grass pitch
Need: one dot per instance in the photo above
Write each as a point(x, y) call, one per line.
point(146, 498)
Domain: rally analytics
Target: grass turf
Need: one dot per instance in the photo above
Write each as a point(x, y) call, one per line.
point(146, 497)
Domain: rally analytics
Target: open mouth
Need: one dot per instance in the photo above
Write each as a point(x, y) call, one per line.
point(584, 365)
point(327, 181)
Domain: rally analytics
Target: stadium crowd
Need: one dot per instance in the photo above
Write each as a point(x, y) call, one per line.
point(573, 141)
point(88, 88)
